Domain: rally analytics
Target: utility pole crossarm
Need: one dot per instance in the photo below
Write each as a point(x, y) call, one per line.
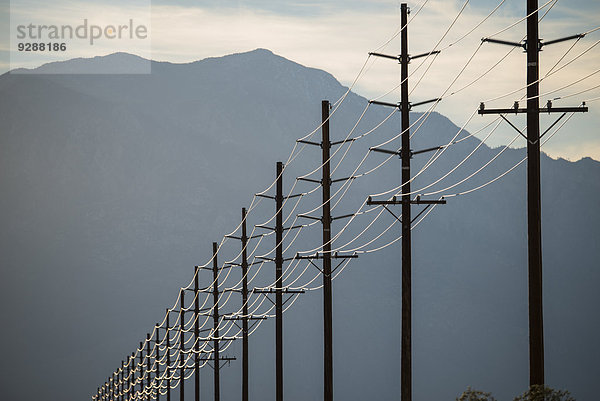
point(437, 99)
point(578, 109)
point(276, 291)
point(397, 58)
point(411, 153)
point(308, 142)
point(265, 258)
point(344, 216)
point(504, 42)
point(221, 358)
point(275, 228)
point(265, 196)
point(408, 57)
point(343, 141)
point(395, 201)
point(417, 152)
point(321, 256)
point(524, 44)
point(389, 152)
point(211, 290)
point(424, 54)
point(343, 179)
point(399, 104)
point(309, 180)
point(210, 269)
point(553, 41)
point(247, 238)
point(244, 317)
point(307, 216)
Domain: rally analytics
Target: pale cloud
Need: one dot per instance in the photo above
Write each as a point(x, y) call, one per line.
point(74, 14)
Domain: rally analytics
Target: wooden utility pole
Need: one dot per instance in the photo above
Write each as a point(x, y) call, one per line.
point(157, 359)
point(327, 270)
point(196, 334)
point(327, 293)
point(279, 285)
point(532, 45)
point(244, 308)
point(148, 366)
point(122, 377)
point(406, 220)
point(182, 361)
point(132, 377)
point(534, 203)
point(217, 385)
point(406, 356)
point(216, 358)
point(279, 290)
point(141, 370)
point(168, 351)
point(245, 318)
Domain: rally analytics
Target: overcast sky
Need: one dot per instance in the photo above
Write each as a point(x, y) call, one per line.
point(337, 35)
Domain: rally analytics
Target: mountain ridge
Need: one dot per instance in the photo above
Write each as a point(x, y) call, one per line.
point(115, 186)
point(62, 67)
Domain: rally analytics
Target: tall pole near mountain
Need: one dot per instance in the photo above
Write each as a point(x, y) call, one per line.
point(148, 367)
point(196, 333)
point(279, 284)
point(141, 370)
point(534, 202)
point(132, 377)
point(326, 220)
point(327, 301)
point(406, 344)
point(157, 358)
point(245, 318)
point(406, 220)
point(217, 362)
point(121, 386)
point(182, 359)
point(532, 45)
point(168, 354)
point(279, 290)
point(244, 240)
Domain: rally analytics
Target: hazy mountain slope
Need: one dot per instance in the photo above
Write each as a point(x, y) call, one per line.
point(114, 186)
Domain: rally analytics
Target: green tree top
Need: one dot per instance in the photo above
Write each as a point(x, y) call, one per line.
point(544, 393)
point(475, 395)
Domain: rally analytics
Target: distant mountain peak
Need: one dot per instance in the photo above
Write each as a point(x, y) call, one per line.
point(256, 54)
point(126, 63)
point(260, 50)
point(113, 63)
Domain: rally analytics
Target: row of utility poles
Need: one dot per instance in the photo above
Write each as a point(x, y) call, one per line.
point(124, 390)
point(532, 46)
point(122, 385)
